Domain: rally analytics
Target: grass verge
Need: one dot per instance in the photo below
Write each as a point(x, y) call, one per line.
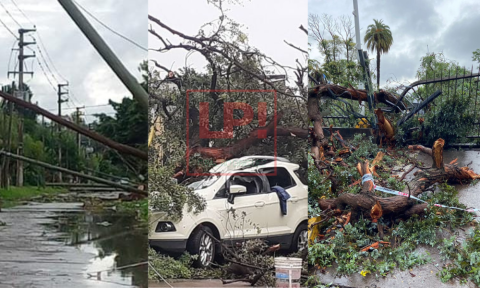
point(139, 207)
point(15, 195)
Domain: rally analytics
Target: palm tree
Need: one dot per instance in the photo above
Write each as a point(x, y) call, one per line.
point(378, 38)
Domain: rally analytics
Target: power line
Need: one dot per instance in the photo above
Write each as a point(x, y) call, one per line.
point(45, 74)
point(47, 67)
point(11, 53)
point(48, 56)
point(91, 106)
point(8, 29)
point(73, 98)
point(41, 49)
point(45, 61)
point(10, 15)
point(110, 29)
point(28, 19)
point(41, 43)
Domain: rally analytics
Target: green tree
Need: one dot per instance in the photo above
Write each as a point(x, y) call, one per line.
point(378, 39)
point(476, 56)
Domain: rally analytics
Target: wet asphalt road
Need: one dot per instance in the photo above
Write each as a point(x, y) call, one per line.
point(31, 254)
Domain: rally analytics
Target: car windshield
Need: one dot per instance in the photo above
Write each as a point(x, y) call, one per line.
point(207, 182)
point(195, 184)
point(233, 164)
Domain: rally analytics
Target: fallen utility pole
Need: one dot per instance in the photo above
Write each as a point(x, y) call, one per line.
point(92, 189)
point(107, 54)
point(95, 136)
point(74, 173)
point(68, 184)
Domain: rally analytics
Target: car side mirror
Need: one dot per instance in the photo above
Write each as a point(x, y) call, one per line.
point(234, 190)
point(237, 189)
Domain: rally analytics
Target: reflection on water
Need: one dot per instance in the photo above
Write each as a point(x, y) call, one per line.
point(114, 240)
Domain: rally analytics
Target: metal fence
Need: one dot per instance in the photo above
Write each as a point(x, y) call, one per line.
point(454, 82)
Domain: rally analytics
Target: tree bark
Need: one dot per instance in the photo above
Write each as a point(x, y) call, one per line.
point(378, 69)
point(252, 139)
point(319, 141)
point(401, 206)
point(357, 94)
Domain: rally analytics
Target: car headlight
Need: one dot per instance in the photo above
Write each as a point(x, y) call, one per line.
point(165, 227)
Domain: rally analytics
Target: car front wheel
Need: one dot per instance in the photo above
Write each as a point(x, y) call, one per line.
point(300, 238)
point(202, 245)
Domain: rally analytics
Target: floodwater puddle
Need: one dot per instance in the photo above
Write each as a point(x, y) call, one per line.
point(117, 244)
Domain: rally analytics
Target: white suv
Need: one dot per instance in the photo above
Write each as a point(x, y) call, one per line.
point(241, 205)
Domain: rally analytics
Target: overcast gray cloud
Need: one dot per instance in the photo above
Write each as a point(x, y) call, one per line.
point(267, 24)
point(91, 80)
point(417, 26)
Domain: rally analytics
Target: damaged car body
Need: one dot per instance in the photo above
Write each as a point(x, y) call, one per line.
point(243, 202)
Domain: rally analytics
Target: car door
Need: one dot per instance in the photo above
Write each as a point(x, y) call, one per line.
point(246, 216)
point(280, 225)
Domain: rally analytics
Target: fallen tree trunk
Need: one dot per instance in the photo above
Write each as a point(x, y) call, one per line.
point(317, 137)
point(360, 95)
point(234, 150)
point(252, 139)
point(365, 201)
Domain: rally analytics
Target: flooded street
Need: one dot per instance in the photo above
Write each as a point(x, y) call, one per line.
point(62, 245)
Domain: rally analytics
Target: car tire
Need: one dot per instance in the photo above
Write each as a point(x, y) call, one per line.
point(202, 245)
point(300, 238)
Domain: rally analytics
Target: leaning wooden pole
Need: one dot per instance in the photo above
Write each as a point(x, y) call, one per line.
point(74, 173)
point(107, 54)
point(77, 128)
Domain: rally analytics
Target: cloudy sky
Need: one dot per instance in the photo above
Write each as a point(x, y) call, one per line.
point(267, 23)
point(91, 80)
point(451, 27)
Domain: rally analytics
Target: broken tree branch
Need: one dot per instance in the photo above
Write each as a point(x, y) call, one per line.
point(399, 205)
